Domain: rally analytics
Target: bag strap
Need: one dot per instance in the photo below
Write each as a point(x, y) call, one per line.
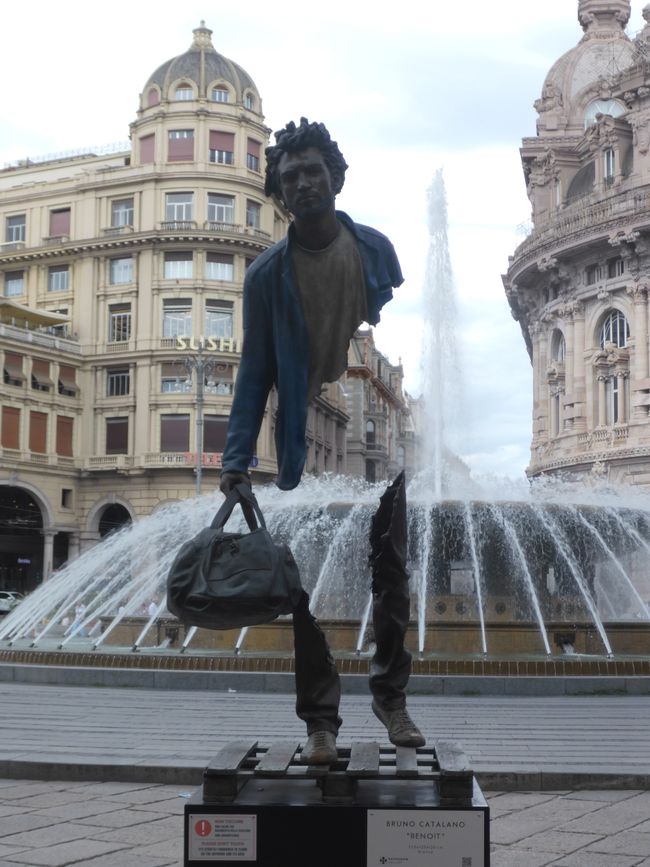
point(243, 495)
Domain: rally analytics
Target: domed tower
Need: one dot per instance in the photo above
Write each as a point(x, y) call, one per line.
point(578, 284)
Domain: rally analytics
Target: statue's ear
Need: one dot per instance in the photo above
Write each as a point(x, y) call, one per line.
point(337, 180)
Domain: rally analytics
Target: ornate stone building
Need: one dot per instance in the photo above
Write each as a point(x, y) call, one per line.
point(380, 434)
point(578, 285)
point(113, 269)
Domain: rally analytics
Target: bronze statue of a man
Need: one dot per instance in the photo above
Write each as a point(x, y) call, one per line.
point(303, 300)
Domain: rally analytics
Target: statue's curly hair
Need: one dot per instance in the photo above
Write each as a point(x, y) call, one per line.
point(294, 138)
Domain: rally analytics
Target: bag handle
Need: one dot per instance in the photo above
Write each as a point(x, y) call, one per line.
point(243, 495)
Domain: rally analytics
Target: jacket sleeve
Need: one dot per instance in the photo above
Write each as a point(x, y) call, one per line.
point(255, 377)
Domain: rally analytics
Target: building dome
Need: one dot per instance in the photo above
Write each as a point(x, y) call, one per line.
point(603, 53)
point(202, 68)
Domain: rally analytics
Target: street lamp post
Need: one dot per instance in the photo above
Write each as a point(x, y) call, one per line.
point(202, 366)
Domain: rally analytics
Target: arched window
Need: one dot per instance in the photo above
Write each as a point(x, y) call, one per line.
point(558, 346)
point(371, 471)
point(611, 107)
point(615, 329)
point(370, 432)
point(220, 94)
point(249, 101)
point(184, 92)
point(153, 96)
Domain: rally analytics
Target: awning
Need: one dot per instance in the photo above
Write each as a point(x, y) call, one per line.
point(41, 372)
point(12, 313)
point(68, 378)
point(13, 364)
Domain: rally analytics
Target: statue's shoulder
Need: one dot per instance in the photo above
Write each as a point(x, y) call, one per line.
point(266, 262)
point(365, 233)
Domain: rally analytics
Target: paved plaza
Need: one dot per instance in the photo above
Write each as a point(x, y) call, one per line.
point(99, 776)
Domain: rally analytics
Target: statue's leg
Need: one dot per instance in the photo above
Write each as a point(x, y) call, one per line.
point(318, 688)
point(390, 666)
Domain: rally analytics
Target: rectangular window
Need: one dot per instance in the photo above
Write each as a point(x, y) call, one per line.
point(60, 223)
point(147, 149)
point(615, 268)
point(121, 271)
point(38, 432)
point(64, 430)
point(41, 375)
point(122, 212)
point(219, 266)
point(222, 147)
point(15, 228)
point(178, 266)
point(13, 369)
point(174, 433)
point(14, 283)
point(180, 145)
point(117, 436)
point(174, 378)
point(68, 381)
point(592, 274)
point(58, 278)
point(218, 318)
point(214, 433)
point(221, 209)
point(253, 150)
point(10, 436)
point(178, 207)
point(220, 380)
point(119, 323)
point(177, 317)
point(253, 211)
point(118, 381)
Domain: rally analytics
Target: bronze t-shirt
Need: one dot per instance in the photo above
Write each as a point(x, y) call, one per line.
point(333, 297)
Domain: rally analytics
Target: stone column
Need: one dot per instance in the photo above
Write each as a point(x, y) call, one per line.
point(578, 388)
point(48, 552)
point(621, 376)
point(641, 366)
point(602, 398)
point(73, 546)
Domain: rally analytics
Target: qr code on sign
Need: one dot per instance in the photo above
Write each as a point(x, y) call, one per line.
point(467, 862)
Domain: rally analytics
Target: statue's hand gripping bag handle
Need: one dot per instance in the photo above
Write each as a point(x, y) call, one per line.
point(243, 495)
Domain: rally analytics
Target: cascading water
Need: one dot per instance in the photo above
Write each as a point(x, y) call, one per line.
point(547, 557)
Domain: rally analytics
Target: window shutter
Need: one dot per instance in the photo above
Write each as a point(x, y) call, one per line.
point(64, 427)
point(59, 223)
point(181, 149)
point(254, 148)
point(214, 433)
point(68, 378)
point(175, 433)
point(147, 146)
point(14, 366)
point(10, 436)
point(41, 372)
point(38, 432)
point(222, 141)
point(117, 436)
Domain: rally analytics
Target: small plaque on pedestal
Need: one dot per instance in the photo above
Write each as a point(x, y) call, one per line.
point(373, 807)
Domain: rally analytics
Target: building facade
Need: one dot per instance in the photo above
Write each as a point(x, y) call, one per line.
point(578, 285)
point(115, 269)
point(380, 434)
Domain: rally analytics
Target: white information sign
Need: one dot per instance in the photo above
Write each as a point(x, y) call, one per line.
point(224, 837)
point(425, 838)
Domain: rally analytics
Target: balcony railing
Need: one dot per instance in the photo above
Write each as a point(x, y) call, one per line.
point(166, 459)
point(114, 231)
point(584, 215)
point(9, 246)
point(109, 462)
point(55, 240)
point(214, 226)
point(178, 226)
point(39, 338)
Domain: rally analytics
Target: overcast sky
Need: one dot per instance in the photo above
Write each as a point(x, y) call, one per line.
point(404, 87)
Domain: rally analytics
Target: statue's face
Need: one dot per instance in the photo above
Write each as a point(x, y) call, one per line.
point(306, 183)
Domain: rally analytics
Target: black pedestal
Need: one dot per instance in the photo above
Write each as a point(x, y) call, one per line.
point(371, 816)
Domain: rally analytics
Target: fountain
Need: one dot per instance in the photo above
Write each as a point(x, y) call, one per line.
point(499, 573)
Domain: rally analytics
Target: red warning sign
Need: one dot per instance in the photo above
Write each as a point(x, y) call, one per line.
point(203, 828)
